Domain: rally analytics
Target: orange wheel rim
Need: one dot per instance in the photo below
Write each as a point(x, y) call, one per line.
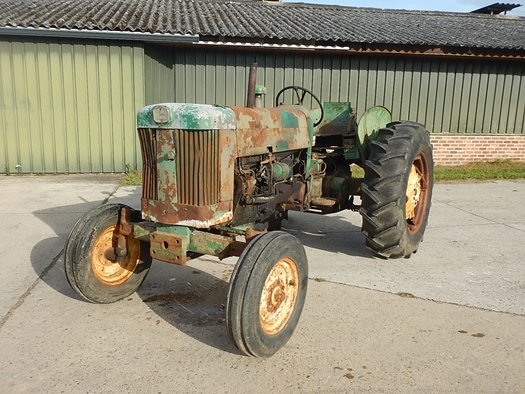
point(103, 258)
point(417, 193)
point(279, 296)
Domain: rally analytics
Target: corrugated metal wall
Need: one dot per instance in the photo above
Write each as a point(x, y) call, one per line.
point(69, 106)
point(447, 95)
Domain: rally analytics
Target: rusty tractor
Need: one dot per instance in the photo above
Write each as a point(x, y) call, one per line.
point(219, 181)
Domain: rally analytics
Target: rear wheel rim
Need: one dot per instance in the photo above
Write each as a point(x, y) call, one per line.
point(417, 193)
point(103, 258)
point(279, 296)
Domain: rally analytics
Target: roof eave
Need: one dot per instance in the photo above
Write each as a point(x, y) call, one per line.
point(99, 35)
point(272, 44)
point(362, 48)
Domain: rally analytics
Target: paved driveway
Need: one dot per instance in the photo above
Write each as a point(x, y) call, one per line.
point(450, 319)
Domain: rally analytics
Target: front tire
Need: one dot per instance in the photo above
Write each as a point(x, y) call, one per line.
point(267, 293)
point(89, 257)
point(397, 190)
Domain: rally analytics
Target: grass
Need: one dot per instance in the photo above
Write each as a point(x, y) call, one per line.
point(132, 178)
point(479, 171)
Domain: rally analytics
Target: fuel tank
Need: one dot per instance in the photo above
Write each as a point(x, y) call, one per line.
point(263, 130)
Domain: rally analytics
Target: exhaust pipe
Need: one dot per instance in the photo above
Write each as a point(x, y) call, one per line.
point(252, 80)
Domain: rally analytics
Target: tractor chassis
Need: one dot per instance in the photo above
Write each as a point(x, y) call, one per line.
point(178, 244)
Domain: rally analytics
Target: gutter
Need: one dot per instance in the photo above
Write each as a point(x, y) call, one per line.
point(99, 35)
point(356, 48)
point(273, 45)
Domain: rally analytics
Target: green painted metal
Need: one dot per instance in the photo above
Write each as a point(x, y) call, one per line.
point(69, 106)
point(189, 117)
point(183, 239)
point(209, 243)
point(281, 171)
point(338, 118)
point(289, 120)
point(373, 119)
point(143, 230)
point(260, 89)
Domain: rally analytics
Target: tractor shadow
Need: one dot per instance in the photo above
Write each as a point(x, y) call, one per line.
point(48, 253)
point(192, 299)
point(335, 233)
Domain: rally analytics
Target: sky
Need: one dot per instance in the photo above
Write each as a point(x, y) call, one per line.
point(424, 5)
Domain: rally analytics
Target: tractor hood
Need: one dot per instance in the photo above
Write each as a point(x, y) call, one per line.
point(186, 117)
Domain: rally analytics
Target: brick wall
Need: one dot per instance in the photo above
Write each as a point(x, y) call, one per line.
point(456, 149)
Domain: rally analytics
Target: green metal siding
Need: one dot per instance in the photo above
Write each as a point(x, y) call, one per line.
point(69, 106)
point(447, 95)
point(159, 75)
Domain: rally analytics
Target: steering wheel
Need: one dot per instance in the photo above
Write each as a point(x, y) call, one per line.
point(301, 98)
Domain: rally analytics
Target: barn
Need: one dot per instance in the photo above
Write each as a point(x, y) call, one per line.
point(74, 73)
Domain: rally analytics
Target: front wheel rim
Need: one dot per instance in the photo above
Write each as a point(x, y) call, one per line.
point(279, 296)
point(103, 258)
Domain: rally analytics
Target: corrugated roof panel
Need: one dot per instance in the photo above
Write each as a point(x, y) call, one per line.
point(269, 20)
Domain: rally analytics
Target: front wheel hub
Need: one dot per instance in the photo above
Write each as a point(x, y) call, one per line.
point(279, 296)
point(104, 261)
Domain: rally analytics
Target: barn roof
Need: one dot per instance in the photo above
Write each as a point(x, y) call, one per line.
point(267, 21)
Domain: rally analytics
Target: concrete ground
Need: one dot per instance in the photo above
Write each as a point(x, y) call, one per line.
point(449, 319)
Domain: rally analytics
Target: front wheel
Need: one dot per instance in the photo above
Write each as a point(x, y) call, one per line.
point(397, 190)
point(90, 261)
point(267, 293)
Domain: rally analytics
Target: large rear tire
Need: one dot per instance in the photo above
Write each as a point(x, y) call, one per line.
point(397, 190)
point(267, 293)
point(89, 258)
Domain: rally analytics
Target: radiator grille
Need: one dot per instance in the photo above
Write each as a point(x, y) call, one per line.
point(197, 163)
point(148, 146)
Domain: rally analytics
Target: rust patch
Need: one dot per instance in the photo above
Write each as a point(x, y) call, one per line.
point(228, 155)
point(104, 262)
point(166, 165)
point(252, 233)
point(166, 212)
point(168, 248)
point(261, 130)
point(194, 177)
point(279, 296)
point(148, 150)
point(125, 230)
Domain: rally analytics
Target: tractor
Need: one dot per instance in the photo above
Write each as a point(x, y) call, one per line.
point(219, 180)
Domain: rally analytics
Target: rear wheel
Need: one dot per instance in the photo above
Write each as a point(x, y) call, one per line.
point(267, 294)
point(90, 260)
point(397, 190)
